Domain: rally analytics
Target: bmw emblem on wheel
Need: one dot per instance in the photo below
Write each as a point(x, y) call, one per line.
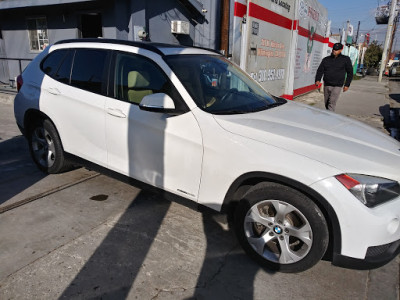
point(277, 230)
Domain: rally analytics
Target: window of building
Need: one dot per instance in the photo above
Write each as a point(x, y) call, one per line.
point(38, 37)
point(91, 26)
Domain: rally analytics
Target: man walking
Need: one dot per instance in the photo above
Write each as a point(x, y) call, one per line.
point(334, 68)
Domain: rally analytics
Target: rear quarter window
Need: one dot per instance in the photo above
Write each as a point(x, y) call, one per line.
point(63, 73)
point(51, 62)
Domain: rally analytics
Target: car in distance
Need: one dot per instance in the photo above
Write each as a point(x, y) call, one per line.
point(300, 183)
point(394, 69)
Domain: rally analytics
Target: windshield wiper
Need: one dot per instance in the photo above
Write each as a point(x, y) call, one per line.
point(275, 104)
point(230, 112)
point(268, 106)
point(246, 111)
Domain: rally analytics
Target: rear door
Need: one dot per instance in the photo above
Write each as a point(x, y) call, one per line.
point(73, 97)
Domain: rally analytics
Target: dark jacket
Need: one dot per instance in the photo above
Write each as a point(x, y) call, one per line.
point(334, 70)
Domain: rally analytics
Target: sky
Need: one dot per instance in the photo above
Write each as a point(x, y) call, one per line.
point(339, 11)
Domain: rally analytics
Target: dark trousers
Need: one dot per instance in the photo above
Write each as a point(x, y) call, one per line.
point(331, 95)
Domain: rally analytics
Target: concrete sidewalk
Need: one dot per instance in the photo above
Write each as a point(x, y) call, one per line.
point(7, 97)
point(367, 101)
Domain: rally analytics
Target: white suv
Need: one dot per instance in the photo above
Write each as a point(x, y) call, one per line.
point(299, 182)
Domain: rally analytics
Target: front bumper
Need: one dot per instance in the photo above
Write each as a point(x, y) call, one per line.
point(365, 238)
point(376, 257)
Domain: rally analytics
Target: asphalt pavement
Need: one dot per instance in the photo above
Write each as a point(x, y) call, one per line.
point(81, 234)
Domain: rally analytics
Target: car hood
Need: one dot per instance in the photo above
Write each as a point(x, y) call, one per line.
point(327, 137)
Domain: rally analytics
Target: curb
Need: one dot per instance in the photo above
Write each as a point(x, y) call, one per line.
point(7, 98)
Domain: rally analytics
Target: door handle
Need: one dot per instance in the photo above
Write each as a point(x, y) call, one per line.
point(54, 91)
point(116, 112)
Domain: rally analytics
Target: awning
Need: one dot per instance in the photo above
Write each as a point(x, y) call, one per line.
point(193, 6)
point(10, 4)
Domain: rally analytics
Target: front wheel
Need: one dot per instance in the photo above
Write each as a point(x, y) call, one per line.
point(281, 228)
point(46, 148)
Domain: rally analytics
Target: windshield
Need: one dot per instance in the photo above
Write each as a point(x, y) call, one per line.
point(218, 86)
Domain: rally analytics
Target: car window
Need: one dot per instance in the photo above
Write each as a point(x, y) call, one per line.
point(136, 77)
point(52, 61)
point(88, 69)
point(218, 86)
point(63, 73)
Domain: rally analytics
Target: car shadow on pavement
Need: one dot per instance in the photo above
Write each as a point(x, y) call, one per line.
point(391, 117)
point(395, 97)
point(17, 170)
point(113, 267)
point(153, 252)
point(227, 272)
point(384, 111)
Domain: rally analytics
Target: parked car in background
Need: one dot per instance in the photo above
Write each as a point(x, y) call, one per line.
point(362, 70)
point(300, 183)
point(394, 69)
point(391, 62)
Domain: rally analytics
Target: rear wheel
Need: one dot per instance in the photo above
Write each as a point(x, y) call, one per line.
point(46, 148)
point(281, 228)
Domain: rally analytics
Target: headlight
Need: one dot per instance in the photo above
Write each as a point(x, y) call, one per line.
point(370, 190)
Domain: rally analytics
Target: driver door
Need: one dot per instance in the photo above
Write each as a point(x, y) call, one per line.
point(158, 148)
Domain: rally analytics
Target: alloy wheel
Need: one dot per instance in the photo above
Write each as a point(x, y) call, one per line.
point(278, 231)
point(43, 147)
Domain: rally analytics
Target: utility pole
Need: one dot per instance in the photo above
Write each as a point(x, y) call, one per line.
point(358, 31)
point(224, 40)
point(388, 38)
point(393, 35)
point(343, 37)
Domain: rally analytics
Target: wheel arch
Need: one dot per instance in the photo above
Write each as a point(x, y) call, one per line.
point(242, 184)
point(33, 115)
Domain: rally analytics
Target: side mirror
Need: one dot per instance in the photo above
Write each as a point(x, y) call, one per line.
point(159, 102)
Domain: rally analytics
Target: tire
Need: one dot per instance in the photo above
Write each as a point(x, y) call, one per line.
point(281, 228)
point(46, 148)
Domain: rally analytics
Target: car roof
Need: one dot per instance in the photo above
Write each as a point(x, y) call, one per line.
point(159, 48)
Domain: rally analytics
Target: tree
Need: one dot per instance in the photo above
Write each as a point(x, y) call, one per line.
point(373, 55)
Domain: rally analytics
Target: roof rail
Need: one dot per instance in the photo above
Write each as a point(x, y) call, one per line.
point(208, 49)
point(144, 45)
point(151, 46)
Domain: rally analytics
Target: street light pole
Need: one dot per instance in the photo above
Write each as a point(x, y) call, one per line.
point(387, 40)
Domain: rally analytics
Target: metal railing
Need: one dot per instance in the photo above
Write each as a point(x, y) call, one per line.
point(20, 60)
